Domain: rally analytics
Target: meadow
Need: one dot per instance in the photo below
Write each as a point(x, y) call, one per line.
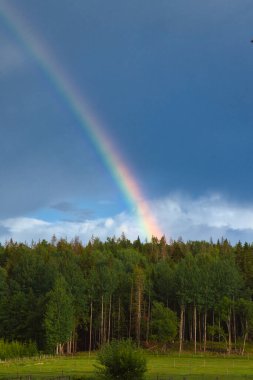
point(160, 367)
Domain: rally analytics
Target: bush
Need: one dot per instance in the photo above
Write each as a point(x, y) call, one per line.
point(12, 350)
point(164, 323)
point(121, 360)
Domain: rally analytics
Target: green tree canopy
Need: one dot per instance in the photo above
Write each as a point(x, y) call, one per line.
point(59, 318)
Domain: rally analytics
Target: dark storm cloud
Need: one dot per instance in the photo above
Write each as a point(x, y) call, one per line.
point(64, 206)
point(75, 212)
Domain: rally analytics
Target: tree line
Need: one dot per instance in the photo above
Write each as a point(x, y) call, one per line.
point(67, 296)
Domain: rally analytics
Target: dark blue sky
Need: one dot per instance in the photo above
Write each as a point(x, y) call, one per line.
point(172, 82)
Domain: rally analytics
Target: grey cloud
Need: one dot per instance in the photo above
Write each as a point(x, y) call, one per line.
point(64, 206)
point(79, 214)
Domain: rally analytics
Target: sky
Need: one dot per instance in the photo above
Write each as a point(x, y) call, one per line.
point(168, 83)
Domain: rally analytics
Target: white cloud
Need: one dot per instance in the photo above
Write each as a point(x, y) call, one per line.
point(204, 217)
point(28, 229)
point(193, 219)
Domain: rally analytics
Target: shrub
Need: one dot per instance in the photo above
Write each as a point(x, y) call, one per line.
point(121, 360)
point(11, 350)
point(164, 323)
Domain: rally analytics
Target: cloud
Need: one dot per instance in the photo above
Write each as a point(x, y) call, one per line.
point(192, 219)
point(63, 206)
point(204, 218)
point(28, 229)
point(73, 211)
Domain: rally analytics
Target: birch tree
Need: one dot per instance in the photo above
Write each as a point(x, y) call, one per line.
point(59, 318)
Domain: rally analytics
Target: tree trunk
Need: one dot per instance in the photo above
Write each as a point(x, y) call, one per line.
point(102, 320)
point(234, 323)
point(245, 337)
point(204, 339)
point(60, 349)
point(191, 327)
point(75, 340)
point(139, 283)
point(91, 312)
point(219, 327)
point(105, 323)
point(213, 329)
point(130, 312)
point(69, 347)
point(138, 315)
point(119, 320)
point(148, 318)
point(200, 334)
point(195, 328)
point(109, 319)
point(181, 325)
point(229, 332)
point(184, 322)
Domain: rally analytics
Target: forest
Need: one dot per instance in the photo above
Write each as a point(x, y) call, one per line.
point(66, 296)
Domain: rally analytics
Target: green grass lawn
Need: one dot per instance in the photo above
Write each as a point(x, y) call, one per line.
point(163, 367)
point(199, 365)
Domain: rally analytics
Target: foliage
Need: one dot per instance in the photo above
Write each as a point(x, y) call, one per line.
point(164, 323)
point(17, 350)
point(76, 297)
point(121, 360)
point(59, 315)
point(217, 332)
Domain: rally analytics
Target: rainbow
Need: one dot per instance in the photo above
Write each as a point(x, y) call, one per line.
point(87, 120)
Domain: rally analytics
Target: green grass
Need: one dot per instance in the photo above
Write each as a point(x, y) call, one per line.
point(172, 366)
point(48, 366)
point(199, 365)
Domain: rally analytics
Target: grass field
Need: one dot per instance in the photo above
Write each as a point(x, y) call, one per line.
point(162, 367)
